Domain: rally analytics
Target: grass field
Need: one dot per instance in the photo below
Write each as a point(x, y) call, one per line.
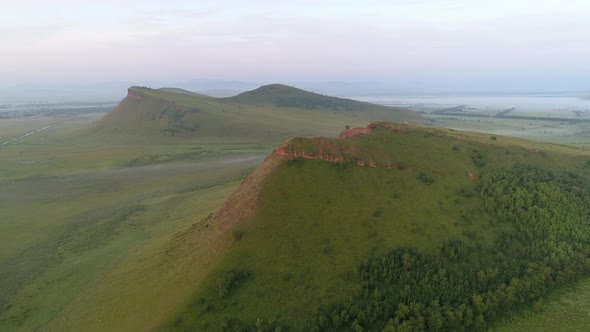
point(105, 227)
point(88, 224)
point(564, 132)
point(317, 221)
point(110, 229)
point(564, 310)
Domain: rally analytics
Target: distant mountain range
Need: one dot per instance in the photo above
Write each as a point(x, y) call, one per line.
point(269, 111)
point(110, 91)
point(214, 88)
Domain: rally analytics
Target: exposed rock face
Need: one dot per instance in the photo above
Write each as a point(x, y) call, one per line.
point(336, 151)
point(401, 129)
point(373, 125)
point(324, 150)
point(354, 132)
point(132, 94)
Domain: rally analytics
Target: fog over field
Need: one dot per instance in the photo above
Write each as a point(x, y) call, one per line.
point(337, 165)
point(568, 104)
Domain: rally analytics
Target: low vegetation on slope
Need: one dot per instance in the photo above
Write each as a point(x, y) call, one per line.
point(285, 96)
point(125, 236)
point(273, 111)
point(91, 227)
point(563, 310)
point(399, 228)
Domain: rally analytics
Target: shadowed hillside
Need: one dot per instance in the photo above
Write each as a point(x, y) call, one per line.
point(273, 111)
point(285, 96)
point(396, 227)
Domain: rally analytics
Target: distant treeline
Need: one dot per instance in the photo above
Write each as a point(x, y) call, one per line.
point(543, 118)
point(505, 114)
point(517, 117)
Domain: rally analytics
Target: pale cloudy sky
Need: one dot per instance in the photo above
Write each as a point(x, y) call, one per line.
point(465, 44)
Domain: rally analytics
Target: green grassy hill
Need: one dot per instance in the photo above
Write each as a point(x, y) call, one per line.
point(280, 95)
point(273, 111)
point(402, 228)
point(182, 92)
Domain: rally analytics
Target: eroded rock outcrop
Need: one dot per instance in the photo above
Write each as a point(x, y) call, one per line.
point(132, 94)
point(355, 132)
point(397, 128)
point(320, 149)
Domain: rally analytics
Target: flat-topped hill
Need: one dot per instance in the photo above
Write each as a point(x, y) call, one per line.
point(273, 111)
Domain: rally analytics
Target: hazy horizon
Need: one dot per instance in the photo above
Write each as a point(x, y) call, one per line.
point(452, 45)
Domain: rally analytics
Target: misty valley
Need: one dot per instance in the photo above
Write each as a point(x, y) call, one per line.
point(201, 212)
point(295, 166)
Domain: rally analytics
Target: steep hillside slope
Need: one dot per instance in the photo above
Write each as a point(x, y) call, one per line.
point(397, 227)
point(264, 113)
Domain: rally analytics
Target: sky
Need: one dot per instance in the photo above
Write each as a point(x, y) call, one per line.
point(421, 44)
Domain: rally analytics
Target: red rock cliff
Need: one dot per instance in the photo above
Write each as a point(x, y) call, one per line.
point(132, 94)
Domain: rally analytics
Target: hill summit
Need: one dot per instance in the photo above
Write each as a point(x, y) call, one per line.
point(281, 95)
point(270, 112)
point(396, 227)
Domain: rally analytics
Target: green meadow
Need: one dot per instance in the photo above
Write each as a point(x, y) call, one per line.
point(564, 310)
point(97, 214)
point(86, 225)
point(108, 222)
point(318, 222)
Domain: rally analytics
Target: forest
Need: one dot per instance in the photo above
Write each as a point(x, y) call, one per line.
point(466, 287)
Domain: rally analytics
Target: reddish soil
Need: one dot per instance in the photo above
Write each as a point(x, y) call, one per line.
point(354, 132)
point(337, 152)
point(132, 94)
point(324, 150)
point(242, 203)
point(390, 127)
point(373, 125)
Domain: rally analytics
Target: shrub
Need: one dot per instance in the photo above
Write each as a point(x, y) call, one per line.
point(228, 281)
point(478, 159)
point(295, 162)
point(377, 212)
point(238, 234)
point(426, 178)
point(464, 192)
